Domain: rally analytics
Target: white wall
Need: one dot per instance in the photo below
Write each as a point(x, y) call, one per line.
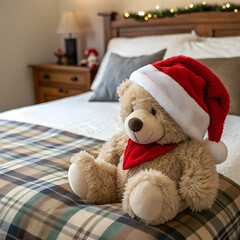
point(27, 36)
point(91, 24)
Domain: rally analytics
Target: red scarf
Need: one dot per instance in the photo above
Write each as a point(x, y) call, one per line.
point(136, 153)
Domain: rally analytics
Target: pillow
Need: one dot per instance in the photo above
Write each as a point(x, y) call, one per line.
point(227, 69)
point(137, 46)
point(206, 47)
point(118, 69)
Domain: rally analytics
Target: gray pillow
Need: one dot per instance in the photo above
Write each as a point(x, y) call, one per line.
point(227, 69)
point(118, 69)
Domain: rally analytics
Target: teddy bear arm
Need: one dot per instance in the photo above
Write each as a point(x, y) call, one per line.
point(114, 148)
point(199, 182)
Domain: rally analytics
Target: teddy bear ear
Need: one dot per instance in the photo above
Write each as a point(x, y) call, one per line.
point(123, 86)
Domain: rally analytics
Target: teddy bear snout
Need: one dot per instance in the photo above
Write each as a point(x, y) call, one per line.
point(135, 124)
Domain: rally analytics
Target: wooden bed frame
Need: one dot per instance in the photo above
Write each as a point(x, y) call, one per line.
point(209, 24)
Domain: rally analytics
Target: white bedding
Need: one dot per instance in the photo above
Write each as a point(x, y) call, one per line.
point(206, 47)
point(101, 120)
point(231, 137)
point(74, 114)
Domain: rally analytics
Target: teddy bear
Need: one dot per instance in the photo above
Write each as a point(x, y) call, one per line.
point(159, 164)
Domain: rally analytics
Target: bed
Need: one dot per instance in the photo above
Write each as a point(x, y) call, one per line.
point(38, 141)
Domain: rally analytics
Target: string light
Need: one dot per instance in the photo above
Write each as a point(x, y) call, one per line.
point(191, 8)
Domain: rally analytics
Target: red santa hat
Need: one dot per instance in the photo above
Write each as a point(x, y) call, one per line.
point(91, 50)
point(192, 95)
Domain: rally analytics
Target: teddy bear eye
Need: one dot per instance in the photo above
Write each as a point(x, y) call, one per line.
point(132, 110)
point(154, 112)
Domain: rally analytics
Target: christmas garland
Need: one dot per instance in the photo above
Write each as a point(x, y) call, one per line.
point(200, 7)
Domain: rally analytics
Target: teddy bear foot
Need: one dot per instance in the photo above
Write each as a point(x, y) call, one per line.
point(92, 180)
point(77, 181)
point(142, 199)
point(76, 176)
point(152, 197)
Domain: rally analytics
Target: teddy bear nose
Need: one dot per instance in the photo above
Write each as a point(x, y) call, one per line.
point(135, 124)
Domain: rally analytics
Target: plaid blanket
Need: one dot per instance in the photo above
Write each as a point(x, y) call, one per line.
point(36, 201)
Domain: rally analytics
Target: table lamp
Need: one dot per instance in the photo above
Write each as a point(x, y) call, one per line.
point(69, 25)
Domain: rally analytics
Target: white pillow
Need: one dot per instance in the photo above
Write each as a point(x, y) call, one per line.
point(137, 46)
point(206, 47)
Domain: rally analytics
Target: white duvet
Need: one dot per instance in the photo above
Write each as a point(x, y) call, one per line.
point(101, 120)
point(74, 114)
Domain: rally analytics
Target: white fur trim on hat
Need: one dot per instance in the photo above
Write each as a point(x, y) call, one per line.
point(193, 120)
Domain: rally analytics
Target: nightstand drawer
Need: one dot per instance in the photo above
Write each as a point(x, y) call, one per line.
point(58, 77)
point(53, 81)
point(49, 94)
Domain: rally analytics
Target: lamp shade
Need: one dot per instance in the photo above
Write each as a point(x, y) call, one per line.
point(68, 23)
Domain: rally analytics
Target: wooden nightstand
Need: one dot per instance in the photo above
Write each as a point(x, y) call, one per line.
point(53, 82)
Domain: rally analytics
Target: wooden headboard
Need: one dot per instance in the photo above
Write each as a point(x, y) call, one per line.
point(209, 24)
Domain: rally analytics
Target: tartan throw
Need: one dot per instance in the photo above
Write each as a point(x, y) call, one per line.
point(37, 202)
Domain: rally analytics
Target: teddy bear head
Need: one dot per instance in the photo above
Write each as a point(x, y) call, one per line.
point(145, 121)
point(175, 99)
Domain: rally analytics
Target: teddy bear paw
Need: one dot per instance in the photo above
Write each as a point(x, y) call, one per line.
point(146, 201)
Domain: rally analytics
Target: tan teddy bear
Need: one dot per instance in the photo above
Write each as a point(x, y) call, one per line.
point(159, 164)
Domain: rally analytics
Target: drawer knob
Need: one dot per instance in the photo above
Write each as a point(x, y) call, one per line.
point(60, 90)
point(46, 76)
point(74, 78)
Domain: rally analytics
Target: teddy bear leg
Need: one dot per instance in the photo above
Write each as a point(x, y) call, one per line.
point(93, 181)
point(152, 197)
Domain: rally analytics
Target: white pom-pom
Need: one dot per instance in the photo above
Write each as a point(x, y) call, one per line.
point(218, 150)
